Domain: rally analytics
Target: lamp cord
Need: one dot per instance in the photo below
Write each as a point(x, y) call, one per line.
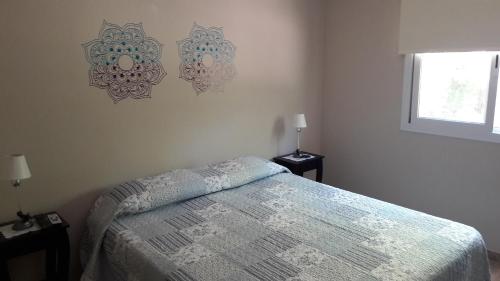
point(17, 184)
point(299, 130)
point(19, 201)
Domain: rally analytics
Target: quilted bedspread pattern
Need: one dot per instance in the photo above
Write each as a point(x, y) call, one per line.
point(247, 220)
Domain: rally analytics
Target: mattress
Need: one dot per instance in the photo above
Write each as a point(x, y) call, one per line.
point(248, 219)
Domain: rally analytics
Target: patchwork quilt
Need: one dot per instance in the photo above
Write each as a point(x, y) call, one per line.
point(248, 219)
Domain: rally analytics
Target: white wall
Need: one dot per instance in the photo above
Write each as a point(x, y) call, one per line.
point(368, 153)
point(78, 142)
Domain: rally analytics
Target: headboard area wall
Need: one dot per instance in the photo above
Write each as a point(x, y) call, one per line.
point(78, 141)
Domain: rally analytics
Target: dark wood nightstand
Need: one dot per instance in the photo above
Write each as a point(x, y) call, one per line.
point(299, 167)
point(53, 238)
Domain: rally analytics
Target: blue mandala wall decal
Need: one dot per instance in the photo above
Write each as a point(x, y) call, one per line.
point(124, 61)
point(207, 59)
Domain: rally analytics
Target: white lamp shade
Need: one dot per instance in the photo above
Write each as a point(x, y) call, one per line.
point(300, 121)
point(19, 169)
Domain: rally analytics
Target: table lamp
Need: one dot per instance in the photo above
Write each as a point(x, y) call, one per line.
point(18, 170)
point(299, 123)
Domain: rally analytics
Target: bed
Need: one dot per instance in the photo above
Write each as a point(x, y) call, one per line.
point(249, 219)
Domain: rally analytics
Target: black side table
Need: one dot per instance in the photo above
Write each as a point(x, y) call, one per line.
point(53, 238)
point(299, 167)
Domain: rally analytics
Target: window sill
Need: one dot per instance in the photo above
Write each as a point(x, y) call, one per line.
point(493, 137)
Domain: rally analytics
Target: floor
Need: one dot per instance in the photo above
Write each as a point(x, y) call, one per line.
point(495, 267)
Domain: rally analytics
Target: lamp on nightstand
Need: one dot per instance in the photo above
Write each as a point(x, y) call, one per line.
point(299, 123)
point(18, 170)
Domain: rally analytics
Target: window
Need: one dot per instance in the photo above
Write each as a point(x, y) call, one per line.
point(452, 94)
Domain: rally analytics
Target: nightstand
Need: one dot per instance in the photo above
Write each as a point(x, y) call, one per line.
point(298, 167)
point(53, 238)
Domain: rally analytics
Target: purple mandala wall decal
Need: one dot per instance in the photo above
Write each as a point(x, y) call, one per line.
point(206, 59)
point(124, 62)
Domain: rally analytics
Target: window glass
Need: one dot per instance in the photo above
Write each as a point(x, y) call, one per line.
point(454, 86)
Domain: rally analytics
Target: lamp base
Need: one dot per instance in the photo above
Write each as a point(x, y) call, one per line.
point(299, 154)
point(25, 221)
point(22, 225)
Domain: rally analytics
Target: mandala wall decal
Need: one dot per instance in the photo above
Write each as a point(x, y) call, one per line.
point(124, 61)
point(206, 59)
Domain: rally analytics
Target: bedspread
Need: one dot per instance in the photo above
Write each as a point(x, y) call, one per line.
point(248, 219)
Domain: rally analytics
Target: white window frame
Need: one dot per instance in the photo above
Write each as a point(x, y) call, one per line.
point(473, 131)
